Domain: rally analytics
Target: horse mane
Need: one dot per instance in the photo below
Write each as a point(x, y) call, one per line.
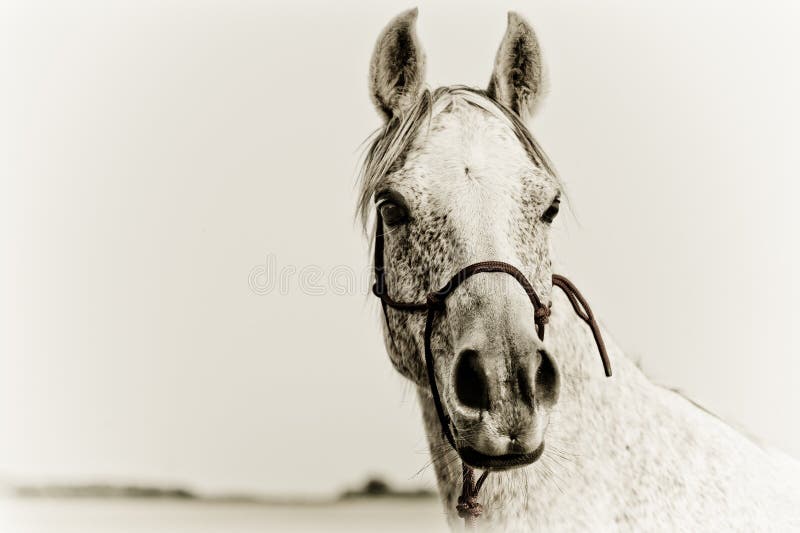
point(389, 145)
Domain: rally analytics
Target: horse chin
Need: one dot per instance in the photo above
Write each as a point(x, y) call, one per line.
point(509, 461)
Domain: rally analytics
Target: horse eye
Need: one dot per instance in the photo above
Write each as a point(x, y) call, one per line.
point(552, 211)
point(392, 213)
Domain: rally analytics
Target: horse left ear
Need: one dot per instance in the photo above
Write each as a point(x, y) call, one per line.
point(397, 70)
point(517, 80)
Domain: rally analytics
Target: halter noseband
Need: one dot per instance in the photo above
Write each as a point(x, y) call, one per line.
point(468, 507)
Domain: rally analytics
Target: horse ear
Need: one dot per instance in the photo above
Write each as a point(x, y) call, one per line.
point(517, 80)
point(397, 70)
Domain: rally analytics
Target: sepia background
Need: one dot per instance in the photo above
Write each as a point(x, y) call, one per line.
point(184, 285)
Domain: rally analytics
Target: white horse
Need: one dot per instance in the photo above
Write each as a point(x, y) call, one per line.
point(457, 179)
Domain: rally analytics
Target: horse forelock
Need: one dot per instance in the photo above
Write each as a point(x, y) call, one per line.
point(388, 147)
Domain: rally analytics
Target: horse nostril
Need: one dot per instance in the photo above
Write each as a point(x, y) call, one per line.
point(472, 388)
point(546, 378)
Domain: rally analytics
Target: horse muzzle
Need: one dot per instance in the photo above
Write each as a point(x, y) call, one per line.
point(508, 461)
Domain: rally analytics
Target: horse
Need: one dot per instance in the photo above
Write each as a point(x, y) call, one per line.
point(456, 178)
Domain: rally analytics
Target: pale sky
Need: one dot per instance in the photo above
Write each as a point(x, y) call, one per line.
point(152, 155)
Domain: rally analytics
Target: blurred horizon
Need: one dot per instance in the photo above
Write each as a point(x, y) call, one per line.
point(371, 486)
point(89, 487)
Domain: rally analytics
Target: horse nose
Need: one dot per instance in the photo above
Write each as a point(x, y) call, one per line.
point(471, 383)
point(472, 387)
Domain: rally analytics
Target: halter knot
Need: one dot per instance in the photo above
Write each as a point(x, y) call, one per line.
point(468, 507)
point(434, 300)
point(542, 315)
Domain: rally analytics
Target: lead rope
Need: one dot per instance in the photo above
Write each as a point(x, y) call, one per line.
point(584, 312)
point(468, 506)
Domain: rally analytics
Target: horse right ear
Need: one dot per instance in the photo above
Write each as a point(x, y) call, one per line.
point(517, 80)
point(397, 69)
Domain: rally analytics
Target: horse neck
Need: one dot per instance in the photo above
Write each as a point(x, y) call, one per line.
point(583, 421)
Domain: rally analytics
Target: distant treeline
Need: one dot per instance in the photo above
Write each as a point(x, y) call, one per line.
point(104, 491)
point(372, 488)
point(378, 488)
